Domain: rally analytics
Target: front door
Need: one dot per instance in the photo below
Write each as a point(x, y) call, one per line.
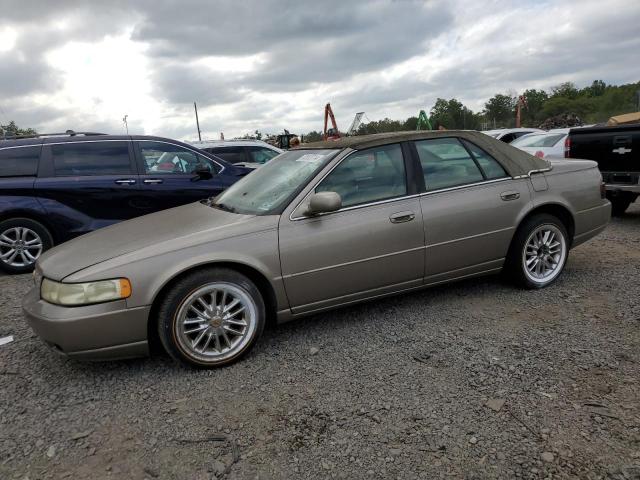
point(169, 179)
point(374, 244)
point(470, 208)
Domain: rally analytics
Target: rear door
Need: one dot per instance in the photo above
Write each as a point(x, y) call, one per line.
point(470, 208)
point(168, 175)
point(88, 185)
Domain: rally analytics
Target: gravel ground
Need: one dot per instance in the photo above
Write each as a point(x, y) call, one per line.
point(475, 380)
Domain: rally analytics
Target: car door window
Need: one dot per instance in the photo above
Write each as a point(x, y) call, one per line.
point(91, 158)
point(368, 176)
point(508, 138)
point(19, 162)
point(229, 154)
point(261, 155)
point(490, 166)
point(446, 163)
point(165, 158)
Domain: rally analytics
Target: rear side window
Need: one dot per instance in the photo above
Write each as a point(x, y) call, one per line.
point(446, 163)
point(490, 166)
point(91, 158)
point(19, 162)
point(261, 154)
point(230, 154)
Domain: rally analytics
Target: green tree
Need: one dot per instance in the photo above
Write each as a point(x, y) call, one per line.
point(500, 110)
point(11, 129)
point(566, 90)
point(532, 113)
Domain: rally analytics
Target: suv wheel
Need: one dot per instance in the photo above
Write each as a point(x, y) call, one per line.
point(211, 318)
point(22, 241)
point(539, 251)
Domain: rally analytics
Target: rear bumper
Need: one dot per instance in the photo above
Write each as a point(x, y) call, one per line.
point(591, 222)
point(616, 187)
point(107, 331)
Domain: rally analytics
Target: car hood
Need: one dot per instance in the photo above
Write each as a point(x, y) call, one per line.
point(173, 228)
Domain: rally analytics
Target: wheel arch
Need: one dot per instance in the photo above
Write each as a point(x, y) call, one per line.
point(33, 216)
point(256, 276)
point(561, 212)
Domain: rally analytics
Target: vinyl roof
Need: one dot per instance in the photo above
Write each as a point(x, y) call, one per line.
point(515, 161)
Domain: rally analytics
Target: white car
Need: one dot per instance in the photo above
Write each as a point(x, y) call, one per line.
point(242, 153)
point(544, 144)
point(508, 135)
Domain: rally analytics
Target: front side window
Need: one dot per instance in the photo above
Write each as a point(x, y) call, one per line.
point(261, 155)
point(19, 162)
point(446, 163)
point(368, 176)
point(91, 158)
point(165, 158)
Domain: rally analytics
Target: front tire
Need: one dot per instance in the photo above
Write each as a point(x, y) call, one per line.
point(538, 252)
point(211, 318)
point(22, 241)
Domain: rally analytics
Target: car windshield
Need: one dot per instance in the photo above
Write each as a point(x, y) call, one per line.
point(544, 140)
point(266, 189)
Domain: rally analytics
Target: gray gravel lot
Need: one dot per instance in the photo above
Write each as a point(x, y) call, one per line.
point(475, 380)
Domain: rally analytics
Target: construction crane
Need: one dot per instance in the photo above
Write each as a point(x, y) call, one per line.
point(357, 121)
point(423, 121)
point(332, 133)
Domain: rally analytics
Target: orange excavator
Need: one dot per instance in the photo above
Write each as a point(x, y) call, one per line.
point(332, 133)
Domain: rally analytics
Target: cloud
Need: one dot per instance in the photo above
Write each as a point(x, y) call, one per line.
point(273, 64)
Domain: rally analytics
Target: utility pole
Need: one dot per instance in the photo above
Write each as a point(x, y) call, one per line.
point(195, 107)
point(126, 126)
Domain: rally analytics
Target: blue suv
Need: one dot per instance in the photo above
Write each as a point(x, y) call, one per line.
point(58, 186)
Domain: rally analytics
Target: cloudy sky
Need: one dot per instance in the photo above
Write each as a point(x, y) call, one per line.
point(269, 65)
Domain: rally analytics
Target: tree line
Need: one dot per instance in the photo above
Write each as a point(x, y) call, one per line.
point(593, 104)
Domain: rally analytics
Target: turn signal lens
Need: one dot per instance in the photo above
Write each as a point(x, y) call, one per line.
point(74, 294)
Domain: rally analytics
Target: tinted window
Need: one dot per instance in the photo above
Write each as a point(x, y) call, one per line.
point(19, 162)
point(261, 154)
point(230, 154)
point(490, 166)
point(91, 158)
point(368, 176)
point(446, 163)
point(508, 138)
point(165, 158)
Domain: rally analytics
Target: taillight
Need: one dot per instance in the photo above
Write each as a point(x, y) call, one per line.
point(540, 154)
point(567, 147)
point(603, 188)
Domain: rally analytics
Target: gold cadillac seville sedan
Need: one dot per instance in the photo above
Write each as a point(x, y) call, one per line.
point(318, 227)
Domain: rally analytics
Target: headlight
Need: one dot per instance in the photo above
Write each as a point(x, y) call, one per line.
point(72, 294)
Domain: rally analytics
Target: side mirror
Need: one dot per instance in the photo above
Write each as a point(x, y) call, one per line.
point(324, 202)
point(202, 174)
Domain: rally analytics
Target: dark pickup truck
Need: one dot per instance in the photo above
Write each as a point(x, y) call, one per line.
point(617, 151)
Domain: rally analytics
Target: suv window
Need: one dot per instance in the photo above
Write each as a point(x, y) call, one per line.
point(489, 165)
point(91, 158)
point(19, 161)
point(368, 176)
point(230, 154)
point(165, 158)
point(261, 154)
point(446, 163)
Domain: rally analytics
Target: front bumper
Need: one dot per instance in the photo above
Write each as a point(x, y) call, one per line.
point(106, 331)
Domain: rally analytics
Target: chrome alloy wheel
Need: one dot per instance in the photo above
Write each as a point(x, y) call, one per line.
point(544, 254)
point(20, 246)
point(215, 322)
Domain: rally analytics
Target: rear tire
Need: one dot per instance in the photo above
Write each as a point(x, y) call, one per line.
point(211, 318)
point(538, 251)
point(22, 241)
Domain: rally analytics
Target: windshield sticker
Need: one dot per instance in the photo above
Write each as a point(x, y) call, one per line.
point(310, 158)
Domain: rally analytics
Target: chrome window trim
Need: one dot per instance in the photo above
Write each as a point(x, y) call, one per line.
point(35, 145)
point(531, 172)
point(394, 199)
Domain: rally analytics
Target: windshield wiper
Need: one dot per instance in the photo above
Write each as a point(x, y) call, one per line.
point(224, 207)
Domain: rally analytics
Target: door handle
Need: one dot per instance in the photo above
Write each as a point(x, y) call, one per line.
point(506, 196)
point(152, 180)
point(126, 181)
point(402, 217)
